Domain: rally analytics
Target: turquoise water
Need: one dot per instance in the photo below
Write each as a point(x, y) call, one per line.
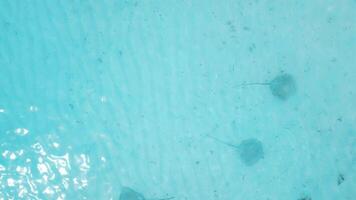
point(160, 98)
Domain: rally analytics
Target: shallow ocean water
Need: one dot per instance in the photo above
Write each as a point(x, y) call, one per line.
point(97, 96)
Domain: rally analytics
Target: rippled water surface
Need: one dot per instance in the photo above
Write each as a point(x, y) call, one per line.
point(196, 100)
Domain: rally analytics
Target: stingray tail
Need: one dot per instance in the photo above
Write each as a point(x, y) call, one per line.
point(251, 84)
point(222, 142)
point(167, 198)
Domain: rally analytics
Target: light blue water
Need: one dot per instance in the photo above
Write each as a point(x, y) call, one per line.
point(97, 96)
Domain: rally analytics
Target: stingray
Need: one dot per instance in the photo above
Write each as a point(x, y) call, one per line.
point(250, 150)
point(130, 194)
point(282, 86)
point(306, 197)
